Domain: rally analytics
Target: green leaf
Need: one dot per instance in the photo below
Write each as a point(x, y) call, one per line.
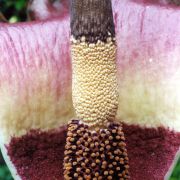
point(20, 4)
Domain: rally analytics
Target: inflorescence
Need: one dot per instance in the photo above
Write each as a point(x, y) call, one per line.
point(99, 154)
point(95, 145)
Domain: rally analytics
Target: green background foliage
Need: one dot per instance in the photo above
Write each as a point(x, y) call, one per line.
point(176, 172)
point(4, 173)
point(15, 11)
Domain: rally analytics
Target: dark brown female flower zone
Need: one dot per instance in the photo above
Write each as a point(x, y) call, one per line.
point(95, 144)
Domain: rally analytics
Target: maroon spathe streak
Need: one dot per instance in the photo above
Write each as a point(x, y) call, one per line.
point(39, 155)
point(151, 151)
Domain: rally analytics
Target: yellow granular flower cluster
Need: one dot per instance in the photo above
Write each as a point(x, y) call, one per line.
point(95, 96)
